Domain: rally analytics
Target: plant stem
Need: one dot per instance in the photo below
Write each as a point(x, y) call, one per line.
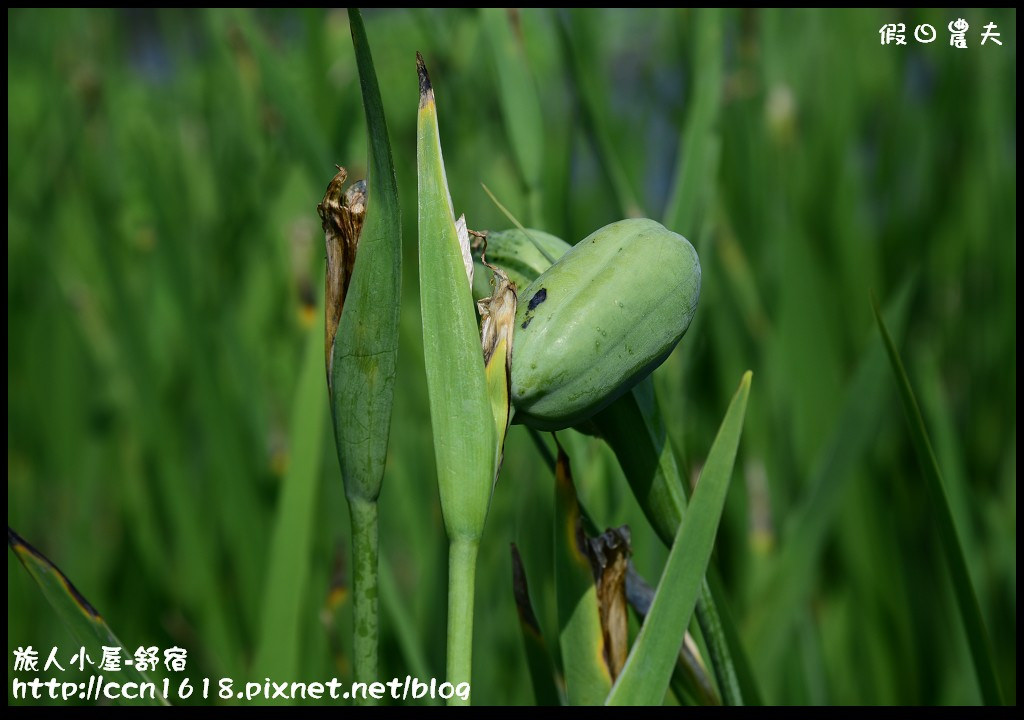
point(461, 580)
point(718, 647)
point(364, 591)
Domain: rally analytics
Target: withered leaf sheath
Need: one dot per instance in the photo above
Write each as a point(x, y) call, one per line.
point(498, 316)
point(341, 213)
point(582, 642)
point(609, 559)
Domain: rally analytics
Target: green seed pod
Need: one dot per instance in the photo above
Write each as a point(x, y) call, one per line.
point(522, 257)
point(599, 320)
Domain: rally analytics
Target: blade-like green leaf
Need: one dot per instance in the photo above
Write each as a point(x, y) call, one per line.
point(781, 597)
point(690, 683)
point(367, 341)
point(538, 658)
point(81, 618)
point(963, 588)
point(284, 591)
point(648, 670)
point(519, 104)
point(577, 36)
point(699, 147)
point(587, 677)
point(401, 618)
point(463, 425)
point(363, 355)
point(635, 430)
point(460, 412)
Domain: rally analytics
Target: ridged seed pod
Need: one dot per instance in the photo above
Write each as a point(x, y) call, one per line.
point(595, 323)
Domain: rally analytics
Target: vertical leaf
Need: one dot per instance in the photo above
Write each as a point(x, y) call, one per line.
point(587, 676)
point(635, 430)
point(460, 412)
point(78, 615)
point(520, 106)
point(538, 659)
point(462, 421)
point(648, 669)
point(699, 146)
point(287, 575)
point(366, 346)
point(362, 360)
point(963, 588)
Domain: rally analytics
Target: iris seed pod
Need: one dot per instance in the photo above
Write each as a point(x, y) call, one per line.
point(599, 320)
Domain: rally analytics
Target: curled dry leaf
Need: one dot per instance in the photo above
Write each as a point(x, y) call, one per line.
point(498, 316)
point(609, 558)
point(341, 213)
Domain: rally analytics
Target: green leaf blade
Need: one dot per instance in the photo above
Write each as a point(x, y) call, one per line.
point(634, 428)
point(520, 105)
point(367, 339)
point(460, 411)
point(697, 162)
point(648, 670)
point(538, 659)
point(963, 587)
point(587, 677)
point(287, 576)
point(782, 593)
point(80, 617)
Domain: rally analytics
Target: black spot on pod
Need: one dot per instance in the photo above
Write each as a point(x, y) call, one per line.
point(539, 297)
point(527, 322)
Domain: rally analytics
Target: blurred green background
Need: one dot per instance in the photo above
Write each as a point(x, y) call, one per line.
point(165, 260)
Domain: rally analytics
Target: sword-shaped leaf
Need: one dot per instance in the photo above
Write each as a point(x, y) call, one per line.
point(648, 670)
point(80, 617)
point(963, 588)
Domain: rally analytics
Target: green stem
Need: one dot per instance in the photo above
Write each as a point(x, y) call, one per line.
point(364, 591)
point(461, 580)
point(718, 648)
